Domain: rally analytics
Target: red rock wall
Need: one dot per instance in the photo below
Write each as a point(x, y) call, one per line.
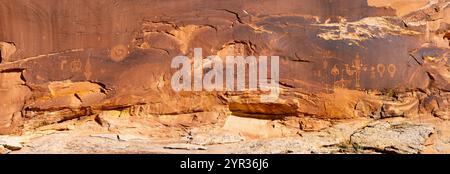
point(340, 59)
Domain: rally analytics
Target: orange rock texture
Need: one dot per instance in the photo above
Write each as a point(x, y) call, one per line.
point(104, 66)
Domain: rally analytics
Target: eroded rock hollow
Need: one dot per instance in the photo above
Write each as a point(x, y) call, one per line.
point(349, 70)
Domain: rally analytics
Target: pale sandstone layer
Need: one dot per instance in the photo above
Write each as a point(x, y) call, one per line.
point(101, 70)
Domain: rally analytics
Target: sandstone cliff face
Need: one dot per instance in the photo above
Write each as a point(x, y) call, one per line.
point(108, 62)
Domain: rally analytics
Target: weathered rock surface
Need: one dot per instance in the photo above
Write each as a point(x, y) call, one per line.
point(185, 147)
point(212, 137)
point(12, 143)
point(392, 137)
point(4, 150)
point(103, 68)
point(352, 136)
